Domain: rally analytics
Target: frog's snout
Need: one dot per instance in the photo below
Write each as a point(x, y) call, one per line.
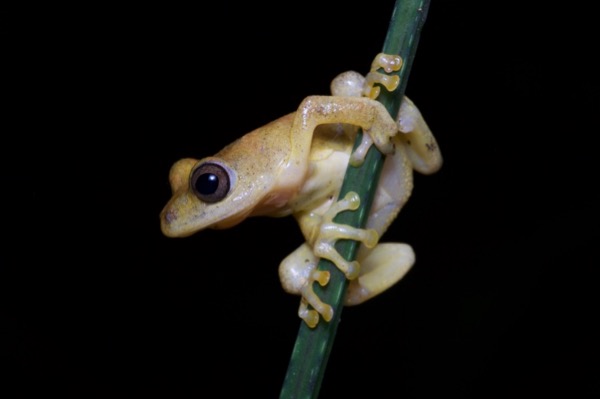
point(167, 217)
point(170, 223)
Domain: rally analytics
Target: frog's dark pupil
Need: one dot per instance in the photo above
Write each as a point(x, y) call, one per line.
point(207, 183)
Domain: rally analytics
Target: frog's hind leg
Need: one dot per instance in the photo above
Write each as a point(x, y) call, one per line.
point(381, 267)
point(421, 147)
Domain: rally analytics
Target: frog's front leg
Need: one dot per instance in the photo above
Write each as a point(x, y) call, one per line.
point(322, 233)
point(368, 114)
point(353, 84)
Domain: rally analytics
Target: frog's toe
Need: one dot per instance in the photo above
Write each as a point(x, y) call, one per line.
point(389, 63)
point(320, 276)
point(360, 152)
point(352, 270)
point(390, 82)
point(310, 317)
point(327, 312)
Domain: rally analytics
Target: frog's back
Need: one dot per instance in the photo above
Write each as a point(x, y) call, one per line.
point(266, 146)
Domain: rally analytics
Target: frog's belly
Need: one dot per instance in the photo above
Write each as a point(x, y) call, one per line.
point(322, 185)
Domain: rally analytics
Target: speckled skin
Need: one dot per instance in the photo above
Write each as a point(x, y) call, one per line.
point(295, 166)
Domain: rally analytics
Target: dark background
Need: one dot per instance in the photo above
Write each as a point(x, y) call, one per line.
point(96, 302)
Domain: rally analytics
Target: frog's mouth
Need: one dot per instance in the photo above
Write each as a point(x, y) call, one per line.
point(184, 216)
point(176, 218)
point(230, 221)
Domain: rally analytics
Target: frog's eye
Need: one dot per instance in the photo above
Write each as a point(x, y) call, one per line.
point(210, 182)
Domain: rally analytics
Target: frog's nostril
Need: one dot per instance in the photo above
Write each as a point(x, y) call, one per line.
point(170, 216)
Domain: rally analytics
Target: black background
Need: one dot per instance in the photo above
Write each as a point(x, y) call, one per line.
point(96, 302)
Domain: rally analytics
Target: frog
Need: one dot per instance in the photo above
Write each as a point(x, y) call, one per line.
point(295, 166)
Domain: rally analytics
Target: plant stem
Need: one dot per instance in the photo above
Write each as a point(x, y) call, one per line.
point(313, 346)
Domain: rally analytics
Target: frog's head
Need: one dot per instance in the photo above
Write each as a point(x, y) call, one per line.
point(221, 191)
point(207, 194)
point(243, 179)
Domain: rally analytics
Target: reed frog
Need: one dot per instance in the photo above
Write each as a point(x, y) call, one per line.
point(295, 165)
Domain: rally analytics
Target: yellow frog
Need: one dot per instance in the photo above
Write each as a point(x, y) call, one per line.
point(295, 165)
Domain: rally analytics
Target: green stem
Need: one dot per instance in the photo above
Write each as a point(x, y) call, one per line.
point(313, 346)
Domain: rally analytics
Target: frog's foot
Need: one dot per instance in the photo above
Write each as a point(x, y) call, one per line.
point(381, 137)
point(389, 63)
point(326, 233)
point(329, 232)
point(309, 297)
point(297, 273)
point(381, 268)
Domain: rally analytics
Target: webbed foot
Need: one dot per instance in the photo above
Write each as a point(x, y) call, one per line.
point(309, 297)
point(329, 232)
point(389, 63)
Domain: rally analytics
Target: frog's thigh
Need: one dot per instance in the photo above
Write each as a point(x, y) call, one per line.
point(381, 267)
